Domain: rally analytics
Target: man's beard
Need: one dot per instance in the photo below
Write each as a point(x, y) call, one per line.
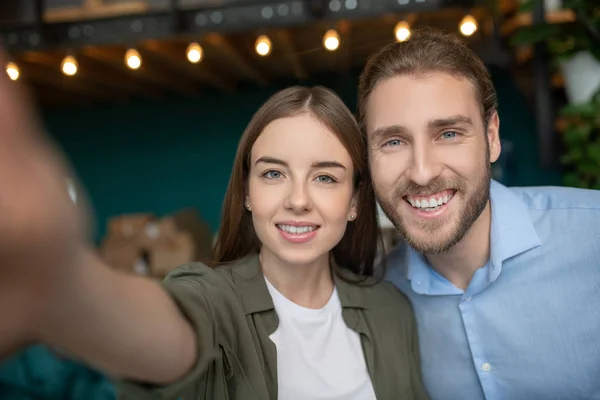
point(474, 206)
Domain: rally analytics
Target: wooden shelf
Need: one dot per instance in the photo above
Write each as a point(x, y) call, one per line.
point(525, 19)
point(95, 9)
point(553, 17)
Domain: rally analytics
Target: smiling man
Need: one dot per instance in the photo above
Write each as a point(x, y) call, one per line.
point(505, 283)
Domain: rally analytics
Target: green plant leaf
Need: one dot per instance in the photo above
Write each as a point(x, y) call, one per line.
point(527, 6)
point(572, 179)
point(534, 34)
point(584, 110)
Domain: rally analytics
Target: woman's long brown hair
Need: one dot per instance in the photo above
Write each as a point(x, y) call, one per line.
point(358, 248)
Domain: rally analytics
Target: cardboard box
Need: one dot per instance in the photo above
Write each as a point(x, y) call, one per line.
point(188, 220)
point(122, 254)
point(145, 244)
point(156, 231)
point(170, 253)
point(128, 226)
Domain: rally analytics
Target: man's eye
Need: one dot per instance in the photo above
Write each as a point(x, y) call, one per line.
point(449, 135)
point(393, 142)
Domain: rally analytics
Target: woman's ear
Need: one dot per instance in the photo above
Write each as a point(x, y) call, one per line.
point(352, 214)
point(247, 204)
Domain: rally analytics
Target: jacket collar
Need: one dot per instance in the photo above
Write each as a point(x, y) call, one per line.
point(250, 282)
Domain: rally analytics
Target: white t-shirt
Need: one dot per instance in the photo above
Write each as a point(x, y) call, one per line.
point(318, 356)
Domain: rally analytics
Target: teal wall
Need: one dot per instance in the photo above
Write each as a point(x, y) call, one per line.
point(162, 156)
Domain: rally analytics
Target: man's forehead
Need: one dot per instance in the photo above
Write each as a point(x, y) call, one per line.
point(407, 100)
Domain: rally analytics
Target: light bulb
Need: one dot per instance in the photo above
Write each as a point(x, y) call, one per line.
point(133, 59)
point(402, 31)
point(69, 66)
point(13, 71)
point(263, 45)
point(331, 40)
point(468, 25)
point(194, 53)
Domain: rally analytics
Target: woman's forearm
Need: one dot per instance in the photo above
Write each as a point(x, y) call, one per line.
point(126, 325)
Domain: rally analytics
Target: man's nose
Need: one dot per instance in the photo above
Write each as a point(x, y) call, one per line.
point(425, 165)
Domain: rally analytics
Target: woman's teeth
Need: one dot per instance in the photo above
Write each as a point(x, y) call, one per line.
point(296, 230)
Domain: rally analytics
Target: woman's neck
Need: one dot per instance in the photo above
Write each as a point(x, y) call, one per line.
point(308, 285)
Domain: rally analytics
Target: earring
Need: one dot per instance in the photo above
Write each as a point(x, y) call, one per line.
point(352, 216)
point(248, 206)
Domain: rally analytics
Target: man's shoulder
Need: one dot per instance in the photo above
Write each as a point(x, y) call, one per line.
point(547, 198)
point(396, 263)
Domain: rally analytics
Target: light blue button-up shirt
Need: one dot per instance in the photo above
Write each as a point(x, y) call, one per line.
point(528, 325)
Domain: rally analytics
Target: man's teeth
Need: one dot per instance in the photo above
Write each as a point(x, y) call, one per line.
point(296, 230)
point(432, 202)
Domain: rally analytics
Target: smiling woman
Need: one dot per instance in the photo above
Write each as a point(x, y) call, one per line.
point(289, 310)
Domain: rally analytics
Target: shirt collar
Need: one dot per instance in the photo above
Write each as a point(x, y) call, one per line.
point(512, 233)
point(250, 282)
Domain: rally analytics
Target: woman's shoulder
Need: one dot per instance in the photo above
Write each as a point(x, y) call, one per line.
point(378, 294)
point(200, 270)
point(215, 281)
point(386, 294)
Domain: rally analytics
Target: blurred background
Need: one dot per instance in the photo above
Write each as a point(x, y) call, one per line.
point(148, 98)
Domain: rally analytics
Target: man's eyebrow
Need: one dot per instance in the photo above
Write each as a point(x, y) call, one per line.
point(449, 121)
point(388, 131)
point(433, 123)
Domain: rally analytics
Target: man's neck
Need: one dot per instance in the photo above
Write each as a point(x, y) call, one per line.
point(459, 264)
point(308, 285)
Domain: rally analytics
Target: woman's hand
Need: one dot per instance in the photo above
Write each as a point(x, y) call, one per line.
point(42, 233)
point(53, 289)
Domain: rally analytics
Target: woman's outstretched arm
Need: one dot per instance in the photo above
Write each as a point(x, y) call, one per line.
point(52, 288)
point(125, 325)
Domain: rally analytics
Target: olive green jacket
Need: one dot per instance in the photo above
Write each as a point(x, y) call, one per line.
point(233, 315)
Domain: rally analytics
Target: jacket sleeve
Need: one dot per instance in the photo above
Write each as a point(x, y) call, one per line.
point(199, 292)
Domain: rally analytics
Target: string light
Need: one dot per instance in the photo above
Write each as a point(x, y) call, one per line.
point(194, 53)
point(331, 40)
point(263, 45)
point(133, 59)
point(69, 66)
point(402, 31)
point(13, 71)
point(468, 25)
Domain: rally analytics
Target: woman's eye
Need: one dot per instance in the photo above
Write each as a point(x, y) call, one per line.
point(272, 174)
point(325, 179)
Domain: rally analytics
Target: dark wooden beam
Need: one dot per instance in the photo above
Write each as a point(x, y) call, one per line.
point(90, 73)
point(345, 51)
point(178, 62)
point(222, 45)
point(34, 73)
point(145, 73)
point(283, 39)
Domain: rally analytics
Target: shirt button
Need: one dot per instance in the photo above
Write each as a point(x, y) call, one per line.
point(486, 367)
point(468, 298)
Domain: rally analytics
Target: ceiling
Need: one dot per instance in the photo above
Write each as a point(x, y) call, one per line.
point(229, 60)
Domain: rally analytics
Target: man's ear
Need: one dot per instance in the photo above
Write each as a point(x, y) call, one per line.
point(493, 136)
